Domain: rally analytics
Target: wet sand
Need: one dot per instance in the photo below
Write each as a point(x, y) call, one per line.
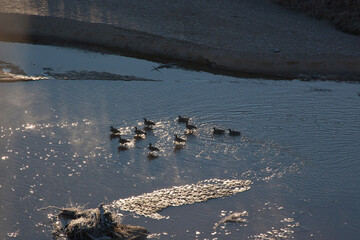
point(256, 37)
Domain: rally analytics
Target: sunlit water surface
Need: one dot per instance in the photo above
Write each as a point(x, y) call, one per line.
point(299, 146)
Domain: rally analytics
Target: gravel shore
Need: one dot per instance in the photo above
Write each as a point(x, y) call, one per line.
point(256, 37)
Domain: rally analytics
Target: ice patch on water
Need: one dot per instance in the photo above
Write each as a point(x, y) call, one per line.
point(14, 234)
point(285, 232)
point(149, 204)
point(7, 76)
point(10, 72)
point(237, 217)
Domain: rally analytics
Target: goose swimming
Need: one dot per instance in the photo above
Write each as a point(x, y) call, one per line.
point(152, 148)
point(234, 133)
point(218, 131)
point(139, 132)
point(148, 122)
point(123, 140)
point(114, 130)
point(189, 126)
point(183, 119)
point(179, 139)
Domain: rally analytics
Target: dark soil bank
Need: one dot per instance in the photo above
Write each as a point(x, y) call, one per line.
point(345, 14)
point(256, 37)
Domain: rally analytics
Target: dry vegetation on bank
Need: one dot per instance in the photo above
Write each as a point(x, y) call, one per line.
point(76, 223)
point(344, 14)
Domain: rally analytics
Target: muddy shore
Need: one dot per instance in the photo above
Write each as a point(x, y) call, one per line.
point(249, 37)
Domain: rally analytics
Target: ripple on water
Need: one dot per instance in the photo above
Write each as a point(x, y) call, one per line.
point(302, 136)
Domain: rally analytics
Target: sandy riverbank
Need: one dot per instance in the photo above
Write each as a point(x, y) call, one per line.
point(256, 37)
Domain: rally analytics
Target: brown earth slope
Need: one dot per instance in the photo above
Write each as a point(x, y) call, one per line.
point(344, 14)
point(245, 36)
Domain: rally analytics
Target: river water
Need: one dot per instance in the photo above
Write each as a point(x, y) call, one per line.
point(300, 146)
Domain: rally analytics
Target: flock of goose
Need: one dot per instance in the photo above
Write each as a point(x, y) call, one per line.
point(178, 141)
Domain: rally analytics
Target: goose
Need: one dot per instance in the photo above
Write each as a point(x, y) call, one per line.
point(179, 139)
point(190, 127)
point(114, 130)
point(148, 122)
point(183, 119)
point(234, 133)
point(139, 132)
point(152, 148)
point(218, 131)
point(123, 140)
